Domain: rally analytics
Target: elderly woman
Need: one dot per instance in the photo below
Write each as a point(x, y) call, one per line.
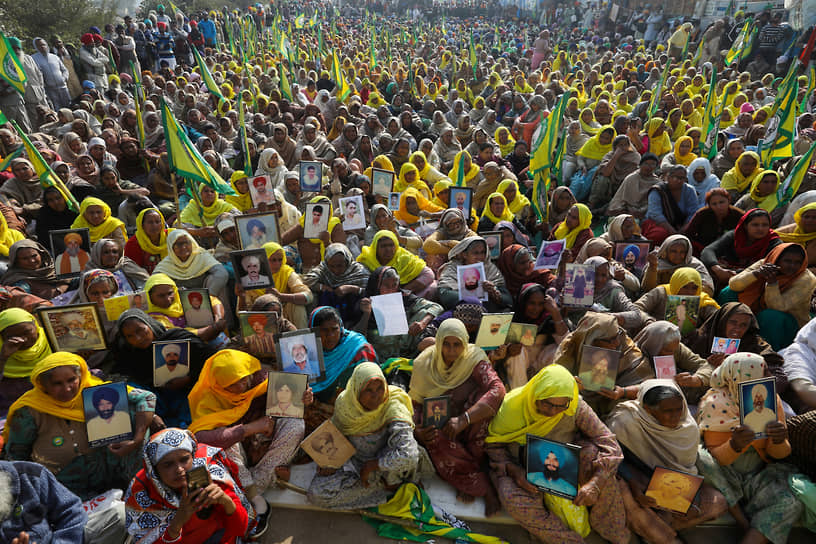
point(802, 231)
point(51, 415)
point(23, 191)
point(671, 204)
point(381, 218)
point(385, 250)
point(228, 404)
point(744, 468)
point(610, 295)
point(685, 282)
point(471, 251)
point(452, 229)
point(516, 264)
point(160, 508)
point(24, 344)
point(462, 371)
point(419, 313)
point(338, 280)
point(148, 245)
point(107, 255)
point(132, 345)
point(603, 331)
point(549, 406)
point(31, 268)
point(377, 419)
point(657, 430)
point(200, 214)
point(164, 305)
point(574, 229)
point(95, 216)
point(674, 253)
point(191, 266)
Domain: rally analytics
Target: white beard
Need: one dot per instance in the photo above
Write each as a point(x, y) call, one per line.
point(7, 500)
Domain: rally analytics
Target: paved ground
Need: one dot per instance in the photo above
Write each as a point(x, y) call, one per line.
point(304, 527)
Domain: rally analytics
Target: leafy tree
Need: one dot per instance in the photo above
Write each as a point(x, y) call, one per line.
point(68, 18)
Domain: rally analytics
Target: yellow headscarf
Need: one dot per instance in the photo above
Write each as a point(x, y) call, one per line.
point(733, 180)
point(438, 187)
point(212, 406)
point(380, 161)
point(406, 263)
point(506, 215)
point(584, 221)
point(8, 236)
point(684, 276)
point(209, 213)
point(352, 419)
point(242, 201)
point(662, 144)
point(282, 276)
point(586, 127)
point(44, 403)
point(454, 171)
point(419, 185)
point(798, 236)
point(593, 148)
point(144, 240)
point(425, 169)
point(333, 221)
point(518, 414)
point(768, 202)
point(520, 202)
point(686, 159)
point(21, 363)
point(431, 376)
point(424, 204)
point(511, 142)
point(175, 309)
point(105, 228)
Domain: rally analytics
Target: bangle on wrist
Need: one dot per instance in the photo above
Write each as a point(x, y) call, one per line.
point(467, 416)
point(171, 540)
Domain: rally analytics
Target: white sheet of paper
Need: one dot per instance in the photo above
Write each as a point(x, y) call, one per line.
point(389, 314)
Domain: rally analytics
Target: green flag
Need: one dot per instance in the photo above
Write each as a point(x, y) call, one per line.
point(657, 93)
point(735, 52)
point(206, 76)
point(708, 139)
point(780, 128)
point(788, 188)
point(474, 60)
point(11, 69)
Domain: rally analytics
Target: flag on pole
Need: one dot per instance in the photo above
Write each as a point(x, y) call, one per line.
point(285, 87)
point(11, 156)
point(242, 134)
point(372, 53)
point(300, 20)
point(541, 187)
point(780, 128)
point(735, 52)
point(788, 188)
point(474, 60)
point(460, 170)
point(657, 94)
point(811, 84)
point(10, 67)
point(343, 89)
point(698, 55)
point(708, 139)
point(549, 132)
point(48, 178)
point(184, 158)
point(206, 76)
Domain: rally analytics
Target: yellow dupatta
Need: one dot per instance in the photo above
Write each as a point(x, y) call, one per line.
point(144, 240)
point(419, 185)
point(798, 236)
point(506, 215)
point(352, 419)
point(20, 364)
point(209, 213)
point(593, 148)
point(507, 148)
point(768, 202)
point(686, 159)
point(408, 265)
point(733, 180)
point(8, 236)
point(211, 404)
point(584, 222)
point(469, 174)
point(242, 201)
point(424, 204)
point(684, 276)
point(102, 230)
point(175, 309)
point(281, 278)
point(658, 145)
point(425, 169)
point(518, 203)
point(518, 414)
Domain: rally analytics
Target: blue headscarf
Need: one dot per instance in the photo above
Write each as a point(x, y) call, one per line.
point(338, 359)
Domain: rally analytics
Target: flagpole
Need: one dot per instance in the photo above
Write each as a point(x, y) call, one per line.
point(176, 198)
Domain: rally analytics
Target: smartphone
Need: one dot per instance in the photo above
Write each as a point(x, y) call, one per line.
point(197, 478)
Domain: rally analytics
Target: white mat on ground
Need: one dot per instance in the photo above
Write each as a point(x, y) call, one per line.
point(442, 496)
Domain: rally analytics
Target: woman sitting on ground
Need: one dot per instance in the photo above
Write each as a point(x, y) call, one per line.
point(338, 280)
point(452, 229)
point(415, 275)
point(149, 245)
point(471, 251)
point(164, 305)
point(24, 344)
point(674, 253)
point(712, 221)
point(95, 216)
point(683, 282)
point(106, 254)
point(31, 268)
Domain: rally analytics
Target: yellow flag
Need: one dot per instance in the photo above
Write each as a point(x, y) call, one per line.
point(10, 67)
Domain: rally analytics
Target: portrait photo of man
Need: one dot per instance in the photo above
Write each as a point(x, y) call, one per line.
point(107, 421)
point(73, 259)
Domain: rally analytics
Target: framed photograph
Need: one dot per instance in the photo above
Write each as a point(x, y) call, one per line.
point(493, 240)
point(632, 255)
point(258, 330)
point(493, 330)
point(758, 404)
point(549, 256)
point(197, 307)
point(327, 446)
point(114, 306)
point(71, 249)
point(673, 490)
point(579, 285)
point(300, 352)
point(252, 268)
point(73, 328)
point(522, 333)
point(729, 346)
point(461, 198)
point(353, 212)
point(311, 176)
point(665, 367)
point(316, 220)
point(284, 394)
point(382, 182)
point(471, 279)
point(436, 411)
point(682, 310)
point(257, 229)
point(261, 191)
point(599, 368)
point(389, 313)
point(171, 360)
point(107, 417)
point(553, 466)
point(393, 201)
